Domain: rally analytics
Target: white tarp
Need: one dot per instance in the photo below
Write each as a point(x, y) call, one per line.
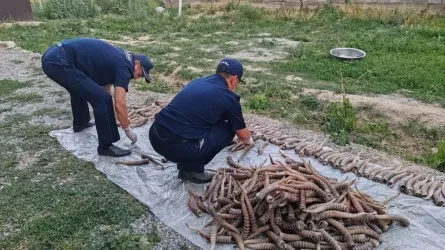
point(167, 196)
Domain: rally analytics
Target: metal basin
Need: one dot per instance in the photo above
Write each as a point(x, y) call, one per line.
point(348, 53)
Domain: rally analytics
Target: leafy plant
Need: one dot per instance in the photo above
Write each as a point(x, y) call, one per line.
point(251, 13)
point(340, 121)
point(258, 102)
point(127, 241)
point(437, 159)
point(310, 101)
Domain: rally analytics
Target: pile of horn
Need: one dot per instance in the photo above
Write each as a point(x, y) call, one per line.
point(289, 206)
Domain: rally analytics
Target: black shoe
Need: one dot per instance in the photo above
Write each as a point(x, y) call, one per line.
point(198, 178)
point(78, 128)
point(113, 151)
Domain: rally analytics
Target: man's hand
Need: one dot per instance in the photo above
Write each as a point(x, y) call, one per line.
point(131, 135)
point(245, 136)
point(249, 142)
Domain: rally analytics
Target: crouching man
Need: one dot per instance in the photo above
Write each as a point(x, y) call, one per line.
point(200, 121)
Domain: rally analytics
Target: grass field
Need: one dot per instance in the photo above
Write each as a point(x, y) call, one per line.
point(406, 55)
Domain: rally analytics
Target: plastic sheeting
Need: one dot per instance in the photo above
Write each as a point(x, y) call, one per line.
point(167, 196)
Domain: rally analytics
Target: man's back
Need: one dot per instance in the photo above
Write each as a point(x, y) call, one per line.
point(201, 104)
point(102, 62)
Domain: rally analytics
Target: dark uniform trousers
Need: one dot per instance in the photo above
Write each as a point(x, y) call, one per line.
point(189, 154)
point(83, 90)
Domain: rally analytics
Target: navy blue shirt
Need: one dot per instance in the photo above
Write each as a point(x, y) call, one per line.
point(202, 103)
point(102, 62)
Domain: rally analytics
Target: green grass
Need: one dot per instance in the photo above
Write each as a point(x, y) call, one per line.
point(52, 112)
point(159, 86)
point(403, 52)
point(8, 86)
point(25, 98)
point(58, 201)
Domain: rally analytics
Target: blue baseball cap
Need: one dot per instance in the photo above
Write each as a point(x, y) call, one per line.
point(147, 65)
point(232, 67)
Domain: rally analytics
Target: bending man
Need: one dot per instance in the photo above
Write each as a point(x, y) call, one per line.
point(200, 121)
point(87, 68)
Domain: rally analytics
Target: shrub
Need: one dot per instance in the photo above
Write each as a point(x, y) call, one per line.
point(59, 9)
point(258, 102)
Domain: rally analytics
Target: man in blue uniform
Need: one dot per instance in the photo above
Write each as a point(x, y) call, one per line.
point(200, 121)
point(87, 68)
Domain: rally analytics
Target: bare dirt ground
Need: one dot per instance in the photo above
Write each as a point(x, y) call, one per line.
point(397, 107)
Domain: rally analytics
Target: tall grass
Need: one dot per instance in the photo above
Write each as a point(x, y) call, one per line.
point(61, 9)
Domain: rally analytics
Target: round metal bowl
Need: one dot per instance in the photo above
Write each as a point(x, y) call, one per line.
point(348, 53)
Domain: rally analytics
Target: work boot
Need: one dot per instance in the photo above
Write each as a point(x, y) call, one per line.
point(113, 151)
point(198, 178)
point(78, 128)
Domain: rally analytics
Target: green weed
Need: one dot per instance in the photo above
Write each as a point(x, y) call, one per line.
point(374, 127)
point(341, 119)
point(437, 159)
point(59, 9)
point(157, 85)
point(309, 101)
point(258, 102)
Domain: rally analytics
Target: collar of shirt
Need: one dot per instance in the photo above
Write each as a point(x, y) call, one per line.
point(220, 80)
point(131, 60)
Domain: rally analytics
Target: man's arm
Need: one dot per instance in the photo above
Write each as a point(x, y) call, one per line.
point(120, 106)
point(235, 117)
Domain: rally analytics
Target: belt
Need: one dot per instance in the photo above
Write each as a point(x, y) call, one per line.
point(168, 135)
point(165, 133)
